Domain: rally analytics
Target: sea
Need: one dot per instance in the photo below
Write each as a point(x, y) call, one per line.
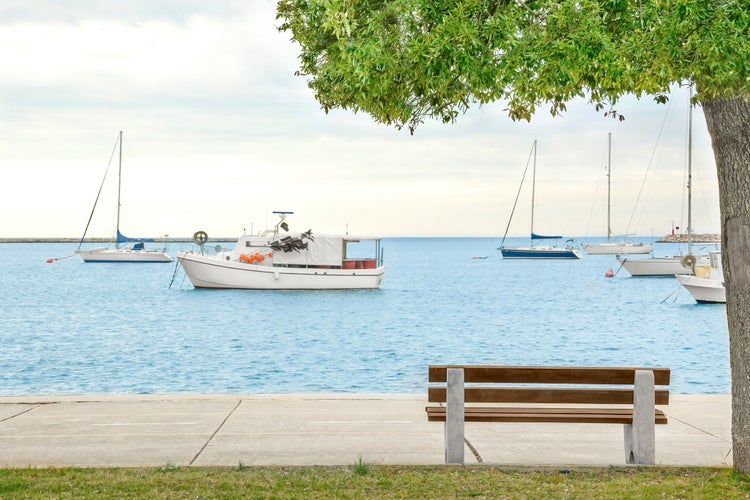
point(71, 328)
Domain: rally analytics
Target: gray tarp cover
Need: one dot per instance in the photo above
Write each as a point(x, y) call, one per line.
point(323, 251)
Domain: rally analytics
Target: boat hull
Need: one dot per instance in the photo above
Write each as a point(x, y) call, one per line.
point(656, 267)
point(539, 253)
point(209, 272)
point(704, 290)
point(617, 248)
point(123, 255)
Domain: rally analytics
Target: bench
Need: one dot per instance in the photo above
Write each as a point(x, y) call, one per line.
point(601, 396)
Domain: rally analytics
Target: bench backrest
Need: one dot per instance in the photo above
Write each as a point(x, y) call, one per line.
point(544, 384)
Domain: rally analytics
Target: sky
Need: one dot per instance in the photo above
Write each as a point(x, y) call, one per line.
point(218, 132)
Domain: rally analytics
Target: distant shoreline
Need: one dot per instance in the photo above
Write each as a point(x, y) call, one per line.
point(697, 238)
point(670, 238)
point(186, 239)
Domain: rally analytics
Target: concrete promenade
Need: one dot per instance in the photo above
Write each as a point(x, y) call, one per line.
point(319, 429)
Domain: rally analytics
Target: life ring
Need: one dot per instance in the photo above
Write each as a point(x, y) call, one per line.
point(688, 261)
point(200, 237)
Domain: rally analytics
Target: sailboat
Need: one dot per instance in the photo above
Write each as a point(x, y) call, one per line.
point(678, 264)
point(532, 251)
point(612, 247)
point(137, 252)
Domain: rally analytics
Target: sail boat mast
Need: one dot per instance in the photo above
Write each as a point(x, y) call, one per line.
point(119, 181)
point(609, 186)
point(532, 252)
point(127, 253)
point(690, 172)
point(533, 191)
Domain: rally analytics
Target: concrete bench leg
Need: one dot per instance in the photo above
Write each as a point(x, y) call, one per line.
point(640, 436)
point(454, 417)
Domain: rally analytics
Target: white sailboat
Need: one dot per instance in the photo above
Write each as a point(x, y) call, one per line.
point(707, 285)
point(536, 252)
point(611, 247)
point(677, 264)
point(136, 252)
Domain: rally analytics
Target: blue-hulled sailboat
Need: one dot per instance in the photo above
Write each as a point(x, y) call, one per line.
point(533, 251)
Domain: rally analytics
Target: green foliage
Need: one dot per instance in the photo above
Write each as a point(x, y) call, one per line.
point(403, 61)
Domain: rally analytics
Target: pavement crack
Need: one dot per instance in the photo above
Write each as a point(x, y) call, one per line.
point(18, 414)
point(704, 431)
point(474, 451)
point(215, 432)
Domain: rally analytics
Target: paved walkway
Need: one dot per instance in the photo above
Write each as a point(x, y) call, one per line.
point(228, 430)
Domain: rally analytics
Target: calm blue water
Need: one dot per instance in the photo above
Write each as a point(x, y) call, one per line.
point(75, 328)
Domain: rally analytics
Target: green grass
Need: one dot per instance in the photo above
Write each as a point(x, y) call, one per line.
point(374, 481)
point(361, 467)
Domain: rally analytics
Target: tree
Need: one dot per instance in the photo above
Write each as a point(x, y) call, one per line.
point(405, 61)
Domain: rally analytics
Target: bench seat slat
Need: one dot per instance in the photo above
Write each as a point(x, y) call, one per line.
point(545, 395)
point(547, 374)
point(549, 415)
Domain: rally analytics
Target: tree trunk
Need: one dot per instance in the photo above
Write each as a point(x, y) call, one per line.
point(728, 122)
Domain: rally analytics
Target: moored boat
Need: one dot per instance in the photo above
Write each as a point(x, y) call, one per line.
point(707, 285)
point(541, 252)
point(678, 264)
point(617, 248)
point(612, 247)
point(660, 267)
point(297, 261)
point(137, 251)
point(534, 251)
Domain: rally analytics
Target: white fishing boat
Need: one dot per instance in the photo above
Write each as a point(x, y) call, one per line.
point(136, 251)
point(612, 247)
point(535, 251)
point(707, 284)
point(297, 261)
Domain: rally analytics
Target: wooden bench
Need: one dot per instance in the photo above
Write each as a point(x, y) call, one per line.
point(601, 396)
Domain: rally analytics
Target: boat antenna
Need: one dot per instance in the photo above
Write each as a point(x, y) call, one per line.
point(91, 215)
point(533, 150)
point(609, 186)
point(281, 224)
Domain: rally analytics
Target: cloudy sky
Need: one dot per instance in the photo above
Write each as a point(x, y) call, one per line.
point(218, 132)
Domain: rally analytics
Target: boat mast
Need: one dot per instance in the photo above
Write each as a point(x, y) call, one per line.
point(533, 190)
point(609, 186)
point(690, 172)
point(119, 181)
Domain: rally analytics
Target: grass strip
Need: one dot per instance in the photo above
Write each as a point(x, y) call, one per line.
point(363, 480)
